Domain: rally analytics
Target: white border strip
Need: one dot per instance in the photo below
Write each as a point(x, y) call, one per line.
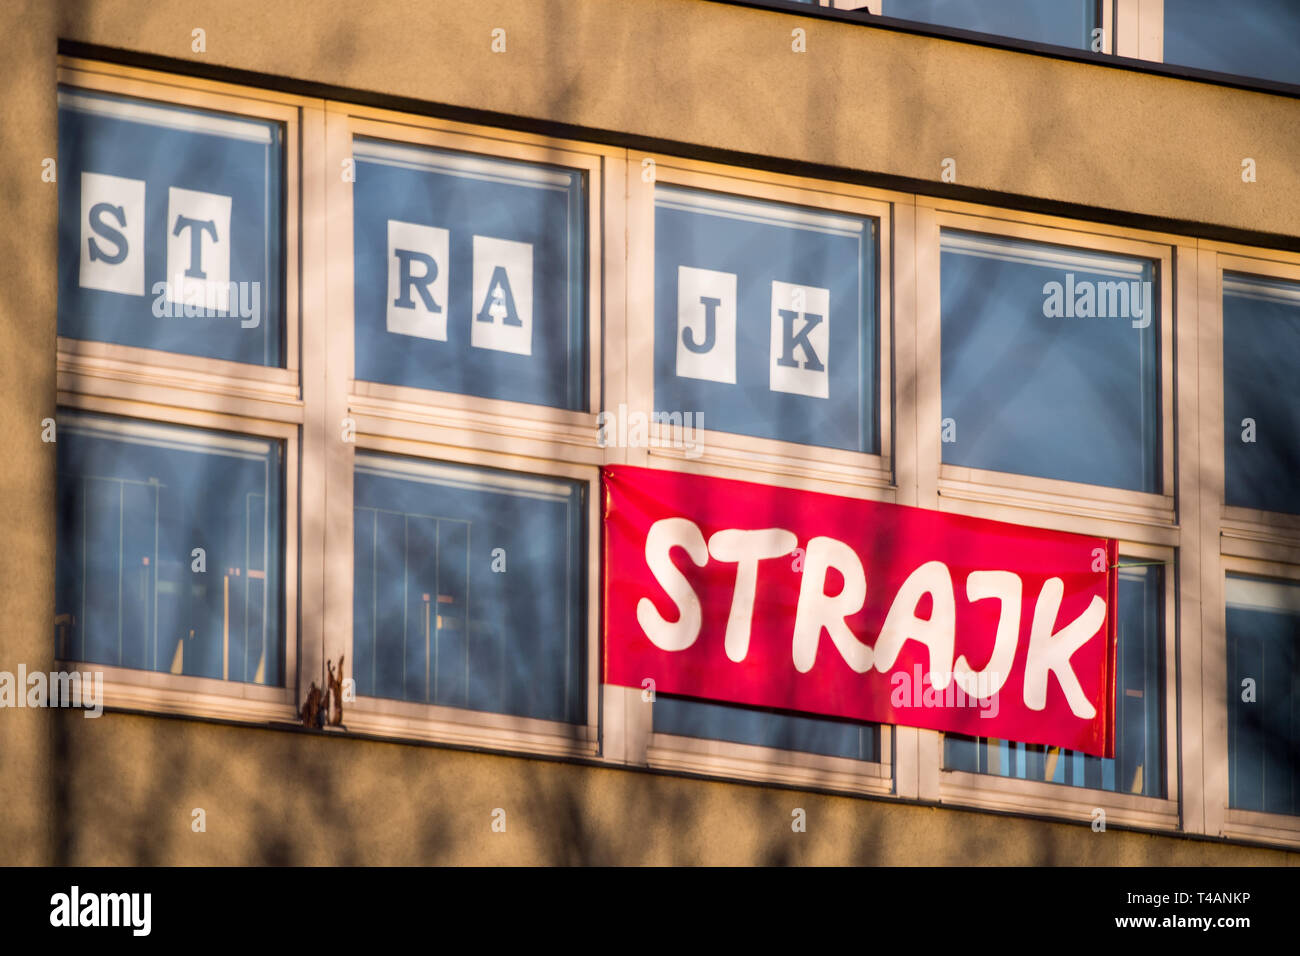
point(1029, 252)
point(768, 213)
point(162, 436)
point(468, 478)
point(1257, 594)
point(459, 164)
point(1265, 290)
point(167, 118)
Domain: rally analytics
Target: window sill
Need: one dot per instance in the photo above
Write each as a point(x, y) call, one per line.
point(1056, 800)
point(716, 758)
point(1255, 826)
point(1074, 506)
point(469, 728)
point(156, 692)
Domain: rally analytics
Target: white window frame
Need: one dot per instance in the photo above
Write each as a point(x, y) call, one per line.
point(627, 715)
point(445, 426)
point(166, 387)
point(1234, 540)
point(1071, 506)
point(1139, 31)
point(1080, 803)
point(1240, 824)
point(743, 456)
point(1147, 526)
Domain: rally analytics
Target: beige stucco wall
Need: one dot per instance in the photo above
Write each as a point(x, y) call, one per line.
point(121, 789)
point(129, 785)
point(723, 76)
point(28, 286)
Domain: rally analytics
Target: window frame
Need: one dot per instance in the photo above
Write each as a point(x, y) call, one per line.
point(1234, 823)
point(384, 716)
point(748, 457)
point(1240, 526)
point(724, 758)
point(152, 385)
point(177, 90)
point(1147, 526)
point(462, 429)
point(481, 416)
point(1234, 540)
point(627, 729)
point(1056, 496)
point(205, 696)
point(1078, 803)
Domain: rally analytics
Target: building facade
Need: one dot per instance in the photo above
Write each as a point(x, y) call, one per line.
point(322, 326)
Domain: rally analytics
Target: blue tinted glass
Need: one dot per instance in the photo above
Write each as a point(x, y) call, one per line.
point(1256, 38)
point(468, 588)
point(1261, 408)
point(1263, 620)
point(170, 228)
point(136, 503)
point(1050, 362)
point(1138, 765)
point(765, 319)
point(1059, 22)
point(760, 728)
point(470, 275)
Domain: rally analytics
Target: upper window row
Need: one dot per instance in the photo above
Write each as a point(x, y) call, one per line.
point(470, 277)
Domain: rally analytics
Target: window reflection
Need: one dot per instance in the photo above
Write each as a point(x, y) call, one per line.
point(1050, 362)
point(468, 588)
point(169, 549)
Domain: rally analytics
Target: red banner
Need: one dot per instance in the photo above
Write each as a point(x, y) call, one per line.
point(749, 594)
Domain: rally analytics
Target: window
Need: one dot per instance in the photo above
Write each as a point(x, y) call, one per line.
point(1050, 362)
point(1263, 630)
point(464, 366)
point(1139, 761)
point(1261, 363)
point(171, 228)
point(170, 544)
point(468, 588)
point(1245, 37)
point(754, 305)
point(178, 436)
point(470, 274)
point(765, 320)
point(1060, 22)
point(760, 728)
point(1249, 306)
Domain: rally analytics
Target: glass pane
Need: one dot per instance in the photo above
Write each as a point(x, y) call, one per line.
point(171, 228)
point(1261, 409)
point(170, 549)
point(1247, 37)
point(1059, 22)
point(1050, 362)
point(1138, 765)
point(469, 588)
point(765, 319)
point(1263, 620)
point(470, 274)
point(761, 728)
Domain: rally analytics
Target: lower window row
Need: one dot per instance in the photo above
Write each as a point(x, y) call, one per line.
point(469, 589)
